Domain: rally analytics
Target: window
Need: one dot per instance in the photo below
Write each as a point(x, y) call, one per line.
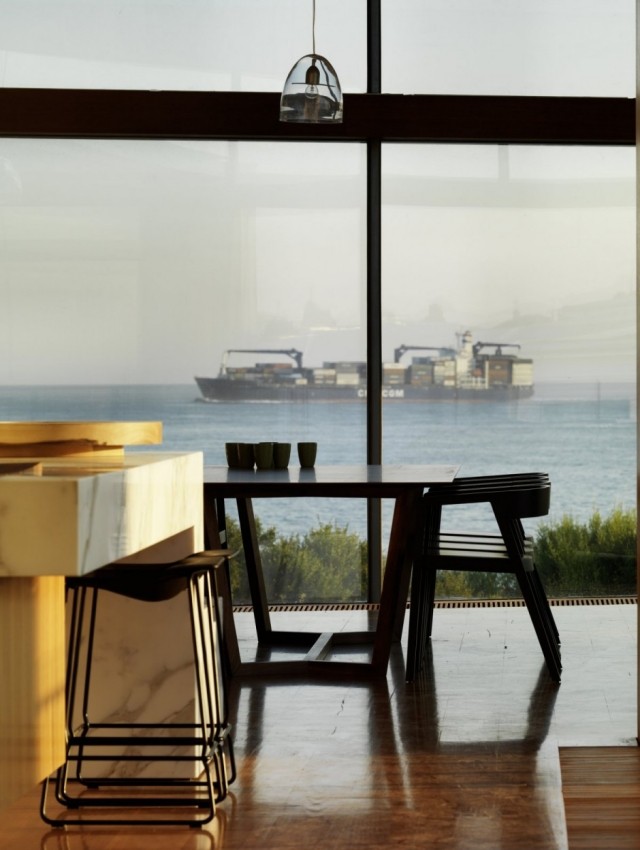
point(181, 45)
point(129, 268)
point(509, 47)
point(532, 251)
point(138, 264)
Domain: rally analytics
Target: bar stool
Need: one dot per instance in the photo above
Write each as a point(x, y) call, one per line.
point(204, 748)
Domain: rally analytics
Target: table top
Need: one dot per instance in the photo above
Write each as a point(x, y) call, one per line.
point(364, 481)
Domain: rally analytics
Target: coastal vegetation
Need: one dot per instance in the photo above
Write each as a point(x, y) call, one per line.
point(329, 563)
point(597, 557)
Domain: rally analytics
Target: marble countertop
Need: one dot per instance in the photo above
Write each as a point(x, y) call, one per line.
point(72, 515)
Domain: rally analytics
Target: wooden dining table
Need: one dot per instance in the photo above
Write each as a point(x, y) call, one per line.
point(404, 484)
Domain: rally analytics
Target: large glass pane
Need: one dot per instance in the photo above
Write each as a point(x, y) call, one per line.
point(517, 265)
point(245, 45)
point(128, 268)
point(510, 47)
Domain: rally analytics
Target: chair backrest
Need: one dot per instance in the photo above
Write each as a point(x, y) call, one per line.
point(517, 495)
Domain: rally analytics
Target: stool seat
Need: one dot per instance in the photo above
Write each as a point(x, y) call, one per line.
point(196, 758)
point(150, 582)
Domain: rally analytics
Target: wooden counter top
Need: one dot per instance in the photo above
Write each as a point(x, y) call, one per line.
point(53, 439)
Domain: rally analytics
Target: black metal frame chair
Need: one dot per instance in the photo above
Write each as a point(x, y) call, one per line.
point(512, 498)
point(204, 746)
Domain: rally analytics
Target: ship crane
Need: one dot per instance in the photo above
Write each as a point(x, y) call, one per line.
point(293, 353)
point(478, 346)
point(402, 350)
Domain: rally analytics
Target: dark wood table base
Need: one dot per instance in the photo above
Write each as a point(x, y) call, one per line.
point(404, 484)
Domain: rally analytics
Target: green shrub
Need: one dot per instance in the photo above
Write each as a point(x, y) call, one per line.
point(593, 558)
point(452, 584)
point(328, 564)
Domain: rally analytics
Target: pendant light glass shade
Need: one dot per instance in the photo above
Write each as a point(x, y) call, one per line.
point(312, 93)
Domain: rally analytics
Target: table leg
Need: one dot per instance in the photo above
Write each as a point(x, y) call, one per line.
point(215, 533)
point(267, 636)
point(404, 546)
point(254, 569)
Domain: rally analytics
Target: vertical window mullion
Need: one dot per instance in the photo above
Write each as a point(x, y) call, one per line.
point(374, 304)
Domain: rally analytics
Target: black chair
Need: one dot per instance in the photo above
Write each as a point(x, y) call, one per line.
point(512, 498)
point(203, 747)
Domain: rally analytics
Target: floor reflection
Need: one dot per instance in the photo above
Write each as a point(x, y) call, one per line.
point(428, 753)
point(466, 757)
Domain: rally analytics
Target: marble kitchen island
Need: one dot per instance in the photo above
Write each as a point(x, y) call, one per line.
point(80, 504)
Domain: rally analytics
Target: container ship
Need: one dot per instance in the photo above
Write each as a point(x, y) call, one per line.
point(474, 371)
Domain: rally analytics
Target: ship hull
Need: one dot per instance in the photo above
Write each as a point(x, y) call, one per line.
point(225, 390)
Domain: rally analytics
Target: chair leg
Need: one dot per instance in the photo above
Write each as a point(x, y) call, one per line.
point(415, 645)
point(432, 533)
point(224, 738)
point(74, 665)
point(541, 625)
point(423, 591)
point(211, 694)
point(74, 650)
point(430, 600)
point(204, 668)
point(520, 550)
point(420, 619)
point(541, 593)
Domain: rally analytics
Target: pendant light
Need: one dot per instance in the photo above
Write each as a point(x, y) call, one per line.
point(312, 93)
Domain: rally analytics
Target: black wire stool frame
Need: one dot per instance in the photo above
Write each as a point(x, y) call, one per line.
point(209, 738)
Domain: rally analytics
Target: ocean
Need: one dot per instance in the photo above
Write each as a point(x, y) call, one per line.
point(584, 436)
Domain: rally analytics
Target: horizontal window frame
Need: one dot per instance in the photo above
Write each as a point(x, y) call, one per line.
point(87, 113)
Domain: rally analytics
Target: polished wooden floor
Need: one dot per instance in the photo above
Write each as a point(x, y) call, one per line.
point(601, 791)
point(466, 757)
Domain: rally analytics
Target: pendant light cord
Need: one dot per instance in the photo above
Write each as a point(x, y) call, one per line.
point(313, 27)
